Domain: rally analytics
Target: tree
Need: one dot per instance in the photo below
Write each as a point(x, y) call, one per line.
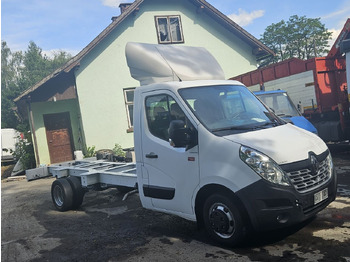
point(298, 37)
point(34, 65)
point(10, 78)
point(10, 67)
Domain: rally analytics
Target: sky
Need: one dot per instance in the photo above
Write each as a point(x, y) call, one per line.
point(70, 25)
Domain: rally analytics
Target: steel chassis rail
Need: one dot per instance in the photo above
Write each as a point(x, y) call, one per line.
point(97, 171)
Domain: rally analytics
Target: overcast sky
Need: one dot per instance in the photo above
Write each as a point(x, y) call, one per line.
point(70, 25)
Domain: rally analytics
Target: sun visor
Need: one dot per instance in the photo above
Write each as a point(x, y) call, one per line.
point(150, 63)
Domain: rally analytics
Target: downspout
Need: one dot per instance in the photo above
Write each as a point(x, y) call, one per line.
point(81, 139)
point(31, 119)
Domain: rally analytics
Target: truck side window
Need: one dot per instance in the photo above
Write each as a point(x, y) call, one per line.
point(160, 111)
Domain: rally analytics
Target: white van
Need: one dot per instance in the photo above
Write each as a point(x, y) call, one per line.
point(208, 150)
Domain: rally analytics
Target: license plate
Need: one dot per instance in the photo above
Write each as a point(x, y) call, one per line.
point(320, 196)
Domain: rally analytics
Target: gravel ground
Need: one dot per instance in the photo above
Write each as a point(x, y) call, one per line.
point(108, 229)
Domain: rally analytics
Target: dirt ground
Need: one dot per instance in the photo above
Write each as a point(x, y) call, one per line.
point(108, 229)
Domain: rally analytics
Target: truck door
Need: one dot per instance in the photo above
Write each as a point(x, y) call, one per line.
point(173, 173)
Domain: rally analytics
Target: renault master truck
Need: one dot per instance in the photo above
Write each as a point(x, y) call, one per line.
point(209, 151)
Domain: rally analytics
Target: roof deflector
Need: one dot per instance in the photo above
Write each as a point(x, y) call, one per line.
point(151, 63)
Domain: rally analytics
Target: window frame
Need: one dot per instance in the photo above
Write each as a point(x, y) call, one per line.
point(171, 41)
point(149, 121)
point(127, 104)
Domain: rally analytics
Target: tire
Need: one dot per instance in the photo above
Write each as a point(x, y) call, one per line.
point(78, 191)
point(222, 220)
point(62, 194)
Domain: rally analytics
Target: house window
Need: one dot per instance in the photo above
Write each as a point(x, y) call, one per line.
point(129, 104)
point(169, 29)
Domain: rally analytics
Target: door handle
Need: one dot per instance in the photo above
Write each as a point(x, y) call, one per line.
point(151, 155)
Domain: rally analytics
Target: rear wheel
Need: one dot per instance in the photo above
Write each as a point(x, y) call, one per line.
point(78, 191)
point(62, 194)
point(223, 220)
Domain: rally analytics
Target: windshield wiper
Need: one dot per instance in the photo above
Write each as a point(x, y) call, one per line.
point(233, 128)
point(266, 124)
point(284, 115)
point(255, 127)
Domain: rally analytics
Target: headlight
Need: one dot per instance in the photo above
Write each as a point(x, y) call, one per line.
point(263, 166)
point(330, 164)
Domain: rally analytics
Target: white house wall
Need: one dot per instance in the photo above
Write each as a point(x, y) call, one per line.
point(103, 74)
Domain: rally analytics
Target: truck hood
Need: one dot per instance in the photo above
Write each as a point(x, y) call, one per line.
point(284, 144)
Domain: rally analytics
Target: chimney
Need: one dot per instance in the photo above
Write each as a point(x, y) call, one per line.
point(124, 6)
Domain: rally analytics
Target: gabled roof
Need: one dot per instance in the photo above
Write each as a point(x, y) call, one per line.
point(259, 49)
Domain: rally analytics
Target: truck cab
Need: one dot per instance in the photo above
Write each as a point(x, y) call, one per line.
point(209, 151)
point(282, 105)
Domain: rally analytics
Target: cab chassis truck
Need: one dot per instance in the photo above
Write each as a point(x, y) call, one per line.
point(207, 150)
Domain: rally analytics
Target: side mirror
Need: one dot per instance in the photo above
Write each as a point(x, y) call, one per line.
point(179, 135)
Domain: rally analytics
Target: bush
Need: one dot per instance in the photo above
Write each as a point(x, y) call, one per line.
point(90, 152)
point(118, 150)
point(25, 152)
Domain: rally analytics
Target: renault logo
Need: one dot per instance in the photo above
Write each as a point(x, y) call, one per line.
point(314, 165)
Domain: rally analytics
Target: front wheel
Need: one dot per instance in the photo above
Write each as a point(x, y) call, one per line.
point(223, 220)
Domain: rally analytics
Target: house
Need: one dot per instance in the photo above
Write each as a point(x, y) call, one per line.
point(89, 101)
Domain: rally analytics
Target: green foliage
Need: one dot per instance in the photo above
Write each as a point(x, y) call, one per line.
point(8, 116)
point(10, 78)
point(9, 67)
point(24, 152)
point(118, 150)
point(90, 152)
point(298, 37)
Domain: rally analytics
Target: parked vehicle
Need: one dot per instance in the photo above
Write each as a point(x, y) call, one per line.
point(318, 86)
point(207, 150)
point(9, 139)
point(282, 105)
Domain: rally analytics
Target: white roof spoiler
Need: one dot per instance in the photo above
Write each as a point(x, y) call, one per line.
point(151, 63)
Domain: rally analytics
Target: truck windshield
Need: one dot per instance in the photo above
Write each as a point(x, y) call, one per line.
point(280, 103)
point(228, 109)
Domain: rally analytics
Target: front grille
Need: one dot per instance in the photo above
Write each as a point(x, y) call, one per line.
point(304, 180)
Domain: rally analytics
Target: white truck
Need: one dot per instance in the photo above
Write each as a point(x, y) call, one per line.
point(9, 138)
point(208, 150)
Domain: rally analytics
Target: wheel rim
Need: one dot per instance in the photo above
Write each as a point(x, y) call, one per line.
point(221, 220)
point(58, 196)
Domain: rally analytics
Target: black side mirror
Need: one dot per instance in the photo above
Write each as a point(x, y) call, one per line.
point(179, 135)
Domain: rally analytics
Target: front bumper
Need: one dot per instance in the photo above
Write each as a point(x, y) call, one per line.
point(271, 207)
